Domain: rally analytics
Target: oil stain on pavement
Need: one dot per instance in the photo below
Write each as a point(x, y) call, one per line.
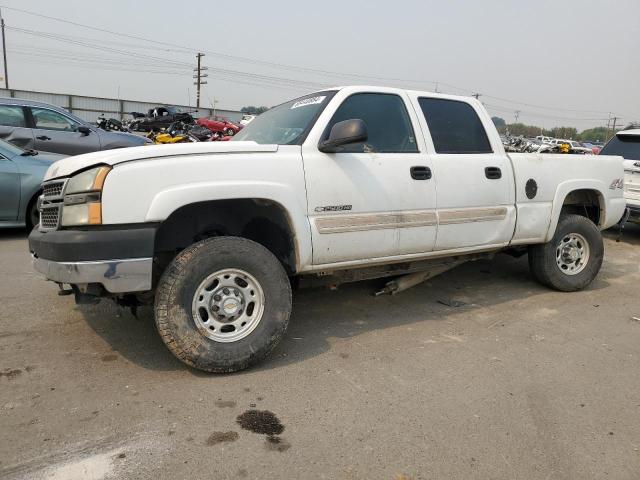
point(265, 422)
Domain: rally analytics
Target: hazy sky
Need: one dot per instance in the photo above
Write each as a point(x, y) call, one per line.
point(569, 62)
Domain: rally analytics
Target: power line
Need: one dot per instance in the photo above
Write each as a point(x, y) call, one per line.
point(254, 61)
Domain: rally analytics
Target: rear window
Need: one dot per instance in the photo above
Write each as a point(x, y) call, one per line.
point(454, 126)
point(627, 146)
point(12, 116)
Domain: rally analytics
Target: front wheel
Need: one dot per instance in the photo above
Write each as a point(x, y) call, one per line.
point(572, 259)
point(223, 304)
point(229, 132)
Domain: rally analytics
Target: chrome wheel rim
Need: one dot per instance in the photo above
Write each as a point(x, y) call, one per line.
point(228, 305)
point(572, 254)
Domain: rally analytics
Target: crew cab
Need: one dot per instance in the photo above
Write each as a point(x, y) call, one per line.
point(339, 185)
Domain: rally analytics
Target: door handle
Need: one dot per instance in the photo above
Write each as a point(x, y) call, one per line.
point(420, 173)
point(43, 137)
point(493, 173)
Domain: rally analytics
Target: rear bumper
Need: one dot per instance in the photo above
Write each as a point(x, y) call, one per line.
point(634, 212)
point(120, 259)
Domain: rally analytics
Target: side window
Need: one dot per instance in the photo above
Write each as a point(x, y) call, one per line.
point(388, 125)
point(50, 120)
point(454, 126)
point(12, 116)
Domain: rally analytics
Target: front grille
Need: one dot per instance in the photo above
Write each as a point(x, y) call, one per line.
point(51, 203)
point(52, 189)
point(49, 217)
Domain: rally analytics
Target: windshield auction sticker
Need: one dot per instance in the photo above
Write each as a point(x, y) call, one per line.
point(308, 101)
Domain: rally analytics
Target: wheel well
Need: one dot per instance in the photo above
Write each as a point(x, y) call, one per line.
point(587, 203)
point(263, 221)
point(31, 201)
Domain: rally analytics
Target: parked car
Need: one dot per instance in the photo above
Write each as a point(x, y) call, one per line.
point(44, 127)
point(21, 174)
point(158, 118)
point(626, 143)
point(246, 119)
point(220, 125)
point(574, 146)
point(336, 186)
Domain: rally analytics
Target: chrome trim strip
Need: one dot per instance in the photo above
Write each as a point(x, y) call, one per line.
point(471, 215)
point(375, 221)
point(117, 276)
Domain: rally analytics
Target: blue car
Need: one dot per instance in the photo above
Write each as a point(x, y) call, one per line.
point(21, 175)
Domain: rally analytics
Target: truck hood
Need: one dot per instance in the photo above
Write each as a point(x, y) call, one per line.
point(70, 165)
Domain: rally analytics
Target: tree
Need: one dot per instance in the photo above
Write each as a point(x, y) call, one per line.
point(498, 122)
point(251, 110)
point(567, 133)
point(598, 134)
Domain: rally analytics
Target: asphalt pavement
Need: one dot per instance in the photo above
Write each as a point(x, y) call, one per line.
point(513, 382)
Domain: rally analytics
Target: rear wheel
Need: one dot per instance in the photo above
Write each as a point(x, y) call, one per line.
point(223, 304)
point(229, 132)
point(572, 259)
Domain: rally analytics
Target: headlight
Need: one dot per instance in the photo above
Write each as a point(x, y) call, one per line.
point(87, 181)
point(82, 199)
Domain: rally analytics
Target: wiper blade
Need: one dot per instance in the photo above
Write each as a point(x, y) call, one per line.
point(29, 153)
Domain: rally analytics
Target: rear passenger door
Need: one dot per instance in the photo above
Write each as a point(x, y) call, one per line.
point(473, 175)
point(14, 128)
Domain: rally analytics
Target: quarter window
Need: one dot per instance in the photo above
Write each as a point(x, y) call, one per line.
point(454, 126)
point(388, 125)
point(50, 120)
point(12, 116)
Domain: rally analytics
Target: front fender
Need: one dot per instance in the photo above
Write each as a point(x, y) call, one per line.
point(165, 202)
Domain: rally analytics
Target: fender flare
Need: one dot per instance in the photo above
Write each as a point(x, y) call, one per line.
point(563, 190)
point(167, 201)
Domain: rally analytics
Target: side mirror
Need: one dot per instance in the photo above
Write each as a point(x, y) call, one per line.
point(344, 133)
point(83, 129)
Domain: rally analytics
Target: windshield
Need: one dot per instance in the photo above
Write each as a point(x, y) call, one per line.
point(286, 124)
point(627, 146)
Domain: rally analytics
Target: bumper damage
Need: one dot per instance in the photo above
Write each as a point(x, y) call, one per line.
point(118, 259)
point(116, 276)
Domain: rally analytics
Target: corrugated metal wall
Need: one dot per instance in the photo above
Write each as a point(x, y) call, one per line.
point(90, 108)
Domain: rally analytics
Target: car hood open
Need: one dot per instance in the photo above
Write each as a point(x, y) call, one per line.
point(70, 165)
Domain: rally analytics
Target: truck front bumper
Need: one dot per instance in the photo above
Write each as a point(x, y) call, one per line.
point(121, 260)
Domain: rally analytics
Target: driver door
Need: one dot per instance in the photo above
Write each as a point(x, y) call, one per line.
point(367, 201)
point(57, 133)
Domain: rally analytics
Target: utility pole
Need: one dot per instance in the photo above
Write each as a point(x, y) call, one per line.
point(199, 77)
point(4, 54)
point(477, 95)
point(516, 115)
point(611, 125)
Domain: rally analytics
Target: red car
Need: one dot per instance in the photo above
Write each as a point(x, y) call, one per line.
point(220, 125)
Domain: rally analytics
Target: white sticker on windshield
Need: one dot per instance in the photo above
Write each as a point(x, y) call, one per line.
point(308, 101)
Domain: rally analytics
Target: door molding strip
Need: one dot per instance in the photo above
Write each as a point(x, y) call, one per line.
point(375, 221)
point(471, 215)
point(342, 223)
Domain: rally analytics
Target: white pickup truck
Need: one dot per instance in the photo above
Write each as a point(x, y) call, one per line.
point(339, 185)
